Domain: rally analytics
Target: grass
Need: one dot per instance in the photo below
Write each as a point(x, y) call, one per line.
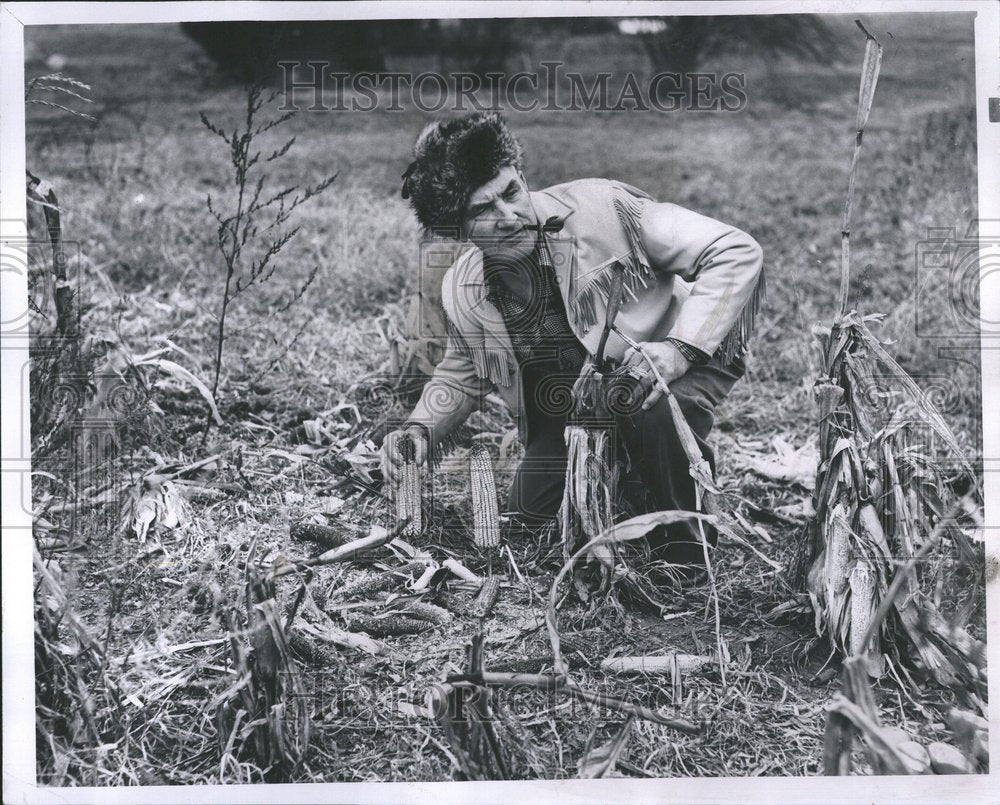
point(133, 191)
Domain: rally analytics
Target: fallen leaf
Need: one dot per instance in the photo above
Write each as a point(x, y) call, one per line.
point(600, 760)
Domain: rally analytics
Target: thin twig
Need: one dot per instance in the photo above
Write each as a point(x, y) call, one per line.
point(697, 467)
point(558, 682)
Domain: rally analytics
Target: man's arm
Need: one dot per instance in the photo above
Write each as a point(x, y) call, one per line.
point(447, 400)
point(723, 262)
point(725, 265)
point(451, 394)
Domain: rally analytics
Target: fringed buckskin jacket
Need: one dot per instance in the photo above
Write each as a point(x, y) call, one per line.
point(704, 290)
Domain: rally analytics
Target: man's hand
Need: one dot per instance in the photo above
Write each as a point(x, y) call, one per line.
point(669, 361)
point(393, 456)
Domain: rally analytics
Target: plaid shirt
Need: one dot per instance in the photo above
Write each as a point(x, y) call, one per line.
point(537, 326)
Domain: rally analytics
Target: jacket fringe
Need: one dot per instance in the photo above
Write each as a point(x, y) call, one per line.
point(584, 305)
point(629, 209)
point(457, 438)
point(737, 340)
point(635, 265)
point(491, 363)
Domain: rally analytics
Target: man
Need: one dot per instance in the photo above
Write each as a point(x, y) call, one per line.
point(526, 307)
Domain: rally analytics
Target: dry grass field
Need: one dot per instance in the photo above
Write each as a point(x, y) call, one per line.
point(132, 185)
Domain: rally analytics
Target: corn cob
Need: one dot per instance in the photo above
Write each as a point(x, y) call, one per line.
point(838, 554)
point(862, 603)
point(429, 612)
point(323, 535)
point(310, 650)
point(453, 603)
point(486, 515)
point(525, 665)
point(461, 571)
point(373, 583)
point(387, 627)
point(834, 611)
point(487, 597)
point(408, 491)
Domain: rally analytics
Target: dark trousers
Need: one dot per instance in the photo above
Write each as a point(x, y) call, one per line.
point(646, 444)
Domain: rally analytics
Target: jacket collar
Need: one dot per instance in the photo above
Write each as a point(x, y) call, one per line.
point(548, 206)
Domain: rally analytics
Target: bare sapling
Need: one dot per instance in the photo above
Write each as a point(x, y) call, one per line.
point(256, 228)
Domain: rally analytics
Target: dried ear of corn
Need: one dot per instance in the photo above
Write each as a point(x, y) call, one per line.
point(409, 503)
point(485, 512)
point(453, 603)
point(372, 584)
point(310, 650)
point(429, 612)
point(326, 536)
point(863, 604)
point(838, 553)
point(389, 626)
point(461, 571)
point(487, 598)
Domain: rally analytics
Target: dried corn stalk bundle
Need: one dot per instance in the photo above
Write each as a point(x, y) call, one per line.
point(882, 478)
point(469, 723)
point(485, 512)
point(586, 509)
point(890, 750)
point(880, 485)
point(270, 690)
point(409, 501)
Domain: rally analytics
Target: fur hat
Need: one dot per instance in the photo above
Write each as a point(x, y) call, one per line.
point(452, 159)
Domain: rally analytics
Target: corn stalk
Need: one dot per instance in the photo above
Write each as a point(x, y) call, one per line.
point(882, 478)
point(268, 699)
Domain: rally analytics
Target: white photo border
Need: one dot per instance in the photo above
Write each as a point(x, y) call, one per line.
point(18, 677)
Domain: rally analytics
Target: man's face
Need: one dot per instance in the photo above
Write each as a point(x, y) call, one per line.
point(498, 212)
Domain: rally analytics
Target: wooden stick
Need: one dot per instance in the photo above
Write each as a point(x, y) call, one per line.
point(869, 78)
point(663, 664)
point(635, 709)
point(340, 637)
point(344, 553)
point(559, 682)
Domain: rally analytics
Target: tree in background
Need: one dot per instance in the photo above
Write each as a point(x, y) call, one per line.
point(471, 45)
point(682, 43)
